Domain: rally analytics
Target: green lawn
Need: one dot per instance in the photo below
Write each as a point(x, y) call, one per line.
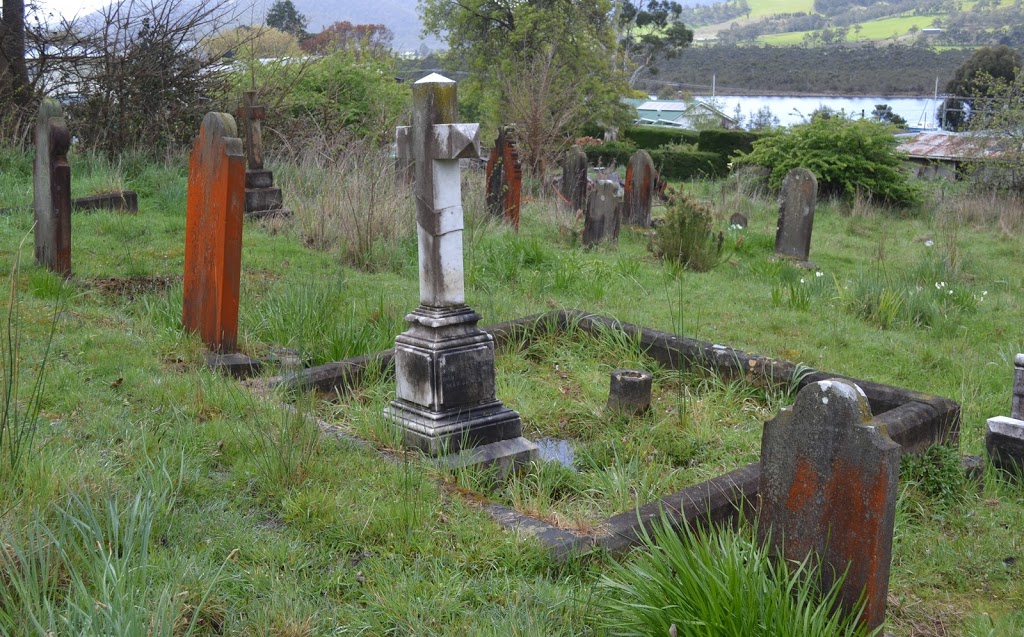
point(243, 511)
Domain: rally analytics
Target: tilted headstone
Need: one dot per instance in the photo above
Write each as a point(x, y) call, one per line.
point(262, 199)
point(213, 233)
point(602, 219)
point(828, 487)
point(574, 179)
point(444, 363)
point(52, 189)
point(797, 199)
point(640, 186)
point(504, 178)
point(1004, 437)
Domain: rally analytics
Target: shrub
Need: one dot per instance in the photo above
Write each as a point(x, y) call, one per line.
point(605, 154)
point(718, 582)
point(686, 237)
point(937, 474)
point(651, 137)
point(688, 165)
point(726, 142)
point(846, 155)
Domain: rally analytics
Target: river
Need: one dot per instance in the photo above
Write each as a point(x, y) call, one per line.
point(919, 112)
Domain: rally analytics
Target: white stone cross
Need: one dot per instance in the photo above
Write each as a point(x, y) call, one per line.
point(438, 143)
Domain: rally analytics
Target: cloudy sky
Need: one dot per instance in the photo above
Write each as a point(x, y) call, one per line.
point(70, 8)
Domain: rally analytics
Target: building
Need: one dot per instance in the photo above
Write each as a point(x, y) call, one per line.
point(691, 114)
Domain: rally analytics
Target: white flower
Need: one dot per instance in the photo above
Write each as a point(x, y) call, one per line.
point(801, 280)
point(940, 284)
point(819, 273)
point(929, 243)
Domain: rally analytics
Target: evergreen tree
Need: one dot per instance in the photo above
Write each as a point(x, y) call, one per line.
point(283, 16)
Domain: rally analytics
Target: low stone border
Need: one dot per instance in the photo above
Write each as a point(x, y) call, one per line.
point(914, 420)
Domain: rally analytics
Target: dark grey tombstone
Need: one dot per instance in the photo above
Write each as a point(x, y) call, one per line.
point(738, 219)
point(638, 196)
point(574, 179)
point(405, 165)
point(602, 218)
point(828, 486)
point(796, 214)
point(446, 403)
point(52, 189)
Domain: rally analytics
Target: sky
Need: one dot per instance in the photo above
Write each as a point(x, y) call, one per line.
point(70, 8)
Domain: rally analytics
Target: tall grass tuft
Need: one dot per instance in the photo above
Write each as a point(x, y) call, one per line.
point(686, 237)
point(717, 582)
point(353, 204)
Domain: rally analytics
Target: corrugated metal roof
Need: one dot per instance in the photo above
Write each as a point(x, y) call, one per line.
point(950, 146)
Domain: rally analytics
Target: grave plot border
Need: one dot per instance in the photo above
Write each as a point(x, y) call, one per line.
point(913, 419)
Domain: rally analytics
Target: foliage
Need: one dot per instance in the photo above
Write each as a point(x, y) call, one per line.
point(686, 237)
point(997, 133)
point(651, 137)
point(884, 113)
point(283, 16)
point(649, 33)
point(372, 39)
point(677, 164)
point(846, 156)
point(763, 119)
point(726, 142)
point(252, 43)
point(986, 70)
point(937, 474)
point(718, 582)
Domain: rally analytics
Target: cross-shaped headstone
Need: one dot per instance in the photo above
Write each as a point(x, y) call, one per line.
point(250, 113)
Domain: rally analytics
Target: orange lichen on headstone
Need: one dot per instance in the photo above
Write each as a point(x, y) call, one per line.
point(505, 178)
point(213, 233)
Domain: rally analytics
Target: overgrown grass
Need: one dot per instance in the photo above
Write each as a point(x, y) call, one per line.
point(377, 547)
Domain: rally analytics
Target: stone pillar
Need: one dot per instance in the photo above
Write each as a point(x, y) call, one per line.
point(603, 216)
point(504, 178)
point(51, 203)
point(828, 486)
point(797, 200)
point(213, 233)
point(444, 364)
point(638, 195)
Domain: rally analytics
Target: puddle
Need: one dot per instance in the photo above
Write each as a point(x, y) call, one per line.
point(556, 450)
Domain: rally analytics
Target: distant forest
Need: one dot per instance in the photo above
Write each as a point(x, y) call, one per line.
point(889, 70)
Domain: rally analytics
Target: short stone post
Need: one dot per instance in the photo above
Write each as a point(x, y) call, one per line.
point(444, 363)
point(629, 391)
point(213, 233)
point(1004, 437)
point(828, 487)
point(797, 200)
point(405, 165)
point(51, 203)
point(574, 179)
point(504, 178)
point(262, 199)
point(603, 216)
point(638, 195)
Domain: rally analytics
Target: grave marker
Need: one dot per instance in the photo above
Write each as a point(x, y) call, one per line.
point(1004, 437)
point(797, 200)
point(213, 233)
point(405, 166)
point(262, 199)
point(504, 178)
point(828, 486)
point(641, 183)
point(444, 363)
point(603, 215)
point(574, 179)
point(51, 202)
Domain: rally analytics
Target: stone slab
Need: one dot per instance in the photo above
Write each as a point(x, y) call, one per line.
point(638, 194)
point(603, 217)
point(1004, 442)
point(259, 179)
point(797, 201)
point(234, 364)
point(503, 457)
point(123, 201)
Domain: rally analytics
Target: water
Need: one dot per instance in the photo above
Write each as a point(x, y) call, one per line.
point(556, 450)
point(918, 111)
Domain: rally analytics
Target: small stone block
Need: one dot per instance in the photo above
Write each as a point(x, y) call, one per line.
point(1004, 442)
point(234, 365)
point(259, 179)
point(630, 391)
point(263, 199)
point(974, 467)
point(502, 456)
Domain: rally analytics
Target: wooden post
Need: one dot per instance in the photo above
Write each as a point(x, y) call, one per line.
point(51, 205)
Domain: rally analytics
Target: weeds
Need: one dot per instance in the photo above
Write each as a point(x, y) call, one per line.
point(686, 237)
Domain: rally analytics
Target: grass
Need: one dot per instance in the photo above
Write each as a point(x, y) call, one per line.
point(337, 539)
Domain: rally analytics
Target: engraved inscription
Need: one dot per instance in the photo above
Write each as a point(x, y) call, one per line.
point(467, 376)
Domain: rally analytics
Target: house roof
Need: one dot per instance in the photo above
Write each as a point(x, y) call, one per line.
point(949, 146)
point(670, 110)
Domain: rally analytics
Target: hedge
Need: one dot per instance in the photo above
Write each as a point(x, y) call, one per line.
point(726, 142)
point(652, 137)
point(671, 164)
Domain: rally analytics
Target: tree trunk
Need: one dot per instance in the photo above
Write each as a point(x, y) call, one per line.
point(13, 68)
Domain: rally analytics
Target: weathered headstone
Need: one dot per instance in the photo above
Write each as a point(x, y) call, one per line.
point(796, 214)
point(52, 189)
point(444, 363)
point(738, 220)
point(504, 178)
point(641, 183)
point(603, 215)
point(213, 233)
point(405, 165)
point(262, 199)
point(1004, 437)
point(828, 487)
point(574, 179)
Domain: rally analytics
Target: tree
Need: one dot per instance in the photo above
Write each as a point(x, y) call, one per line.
point(373, 39)
point(884, 113)
point(763, 119)
point(997, 138)
point(252, 43)
point(971, 81)
point(650, 33)
point(284, 16)
point(14, 83)
point(496, 39)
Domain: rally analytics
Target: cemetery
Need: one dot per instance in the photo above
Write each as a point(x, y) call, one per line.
point(481, 405)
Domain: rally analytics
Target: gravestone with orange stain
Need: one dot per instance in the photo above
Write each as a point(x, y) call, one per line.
point(828, 487)
point(504, 178)
point(638, 195)
point(51, 203)
point(213, 233)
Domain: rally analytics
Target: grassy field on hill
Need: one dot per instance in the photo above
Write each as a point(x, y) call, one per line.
point(181, 500)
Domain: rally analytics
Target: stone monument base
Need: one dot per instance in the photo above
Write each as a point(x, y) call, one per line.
point(262, 199)
point(503, 457)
